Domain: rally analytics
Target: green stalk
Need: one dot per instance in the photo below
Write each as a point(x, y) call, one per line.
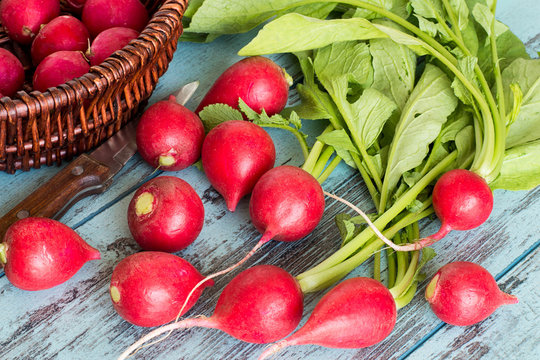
point(316, 151)
point(296, 133)
point(321, 280)
point(367, 180)
point(321, 162)
point(402, 261)
point(326, 173)
point(391, 261)
point(406, 298)
point(3, 250)
point(382, 221)
point(377, 266)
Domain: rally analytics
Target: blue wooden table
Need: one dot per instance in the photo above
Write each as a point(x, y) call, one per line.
point(76, 320)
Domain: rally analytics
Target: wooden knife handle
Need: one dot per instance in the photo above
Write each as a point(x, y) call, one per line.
point(82, 177)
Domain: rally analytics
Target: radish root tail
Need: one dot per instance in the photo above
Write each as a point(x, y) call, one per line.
point(421, 243)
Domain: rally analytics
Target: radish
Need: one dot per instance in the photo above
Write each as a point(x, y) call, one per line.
point(99, 15)
point(260, 305)
point(75, 6)
point(464, 293)
point(357, 313)
point(62, 33)
point(165, 214)
point(235, 154)
point(40, 253)
point(108, 41)
point(169, 135)
point(58, 68)
point(462, 200)
point(257, 80)
point(22, 19)
point(148, 288)
point(11, 73)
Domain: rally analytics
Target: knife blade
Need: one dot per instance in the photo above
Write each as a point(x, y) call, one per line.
point(88, 174)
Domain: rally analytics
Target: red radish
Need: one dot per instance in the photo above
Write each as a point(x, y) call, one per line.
point(58, 68)
point(99, 15)
point(462, 201)
point(169, 135)
point(165, 214)
point(235, 154)
point(464, 293)
point(148, 288)
point(62, 33)
point(108, 41)
point(357, 313)
point(286, 204)
point(40, 253)
point(260, 305)
point(257, 80)
point(11, 73)
point(22, 19)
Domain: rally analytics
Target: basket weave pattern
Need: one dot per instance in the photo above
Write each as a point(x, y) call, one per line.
point(46, 128)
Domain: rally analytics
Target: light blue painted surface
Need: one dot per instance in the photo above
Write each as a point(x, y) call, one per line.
point(76, 321)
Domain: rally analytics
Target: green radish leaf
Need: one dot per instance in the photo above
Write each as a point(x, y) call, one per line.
point(470, 38)
point(520, 169)
point(394, 68)
point(295, 32)
point(415, 206)
point(427, 109)
point(347, 229)
point(238, 16)
point(398, 7)
point(466, 65)
point(215, 114)
point(249, 112)
point(461, 10)
point(401, 37)
point(465, 143)
point(526, 74)
point(295, 121)
point(483, 15)
point(341, 142)
point(427, 8)
point(370, 113)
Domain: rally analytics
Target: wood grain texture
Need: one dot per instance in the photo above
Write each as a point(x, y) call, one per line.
point(77, 321)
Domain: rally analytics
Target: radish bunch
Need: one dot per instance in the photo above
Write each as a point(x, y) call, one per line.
point(58, 43)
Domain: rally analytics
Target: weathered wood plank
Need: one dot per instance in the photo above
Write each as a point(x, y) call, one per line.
point(511, 332)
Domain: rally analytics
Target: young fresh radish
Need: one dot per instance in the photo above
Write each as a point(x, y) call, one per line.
point(257, 80)
point(286, 204)
point(464, 293)
point(357, 313)
point(62, 33)
point(40, 253)
point(108, 41)
point(22, 19)
point(149, 288)
point(462, 201)
point(58, 68)
point(99, 15)
point(169, 135)
point(11, 73)
point(235, 154)
point(260, 305)
point(165, 214)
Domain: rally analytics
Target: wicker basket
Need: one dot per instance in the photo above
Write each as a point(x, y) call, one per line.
point(46, 128)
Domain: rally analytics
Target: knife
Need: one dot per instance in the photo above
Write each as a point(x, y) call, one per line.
point(88, 174)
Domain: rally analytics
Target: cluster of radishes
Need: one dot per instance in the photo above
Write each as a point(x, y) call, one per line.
point(63, 46)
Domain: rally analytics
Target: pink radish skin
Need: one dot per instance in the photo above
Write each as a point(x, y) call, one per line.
point(235, 154)
point(357, 313)
point(58, 68)
point(257, 80)
point(165, 214)
point(11, 73)
point(108, 41)
point(40, 253)
point(286, 204)
point(22, 19)
point(260, 305)
point(62, 33)
point(464, 293)
point(169, 136)
point(100, 15)
point(148, 288)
